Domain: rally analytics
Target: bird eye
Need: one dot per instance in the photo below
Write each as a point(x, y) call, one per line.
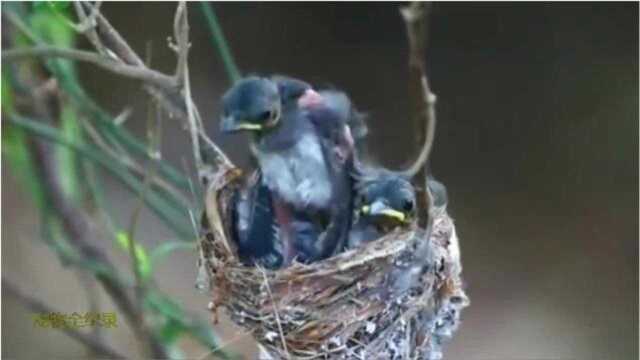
point(408, 205)
point(265, 115)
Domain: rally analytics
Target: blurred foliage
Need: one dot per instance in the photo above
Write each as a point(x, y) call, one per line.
point(219, 42)
point(82, 161)
point(144, 264)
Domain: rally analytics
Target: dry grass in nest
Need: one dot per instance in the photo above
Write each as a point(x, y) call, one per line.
point(395, 298)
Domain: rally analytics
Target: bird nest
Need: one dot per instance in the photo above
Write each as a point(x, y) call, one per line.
point(397, 297)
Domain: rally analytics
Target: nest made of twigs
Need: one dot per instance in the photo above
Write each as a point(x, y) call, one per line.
point(394, 298)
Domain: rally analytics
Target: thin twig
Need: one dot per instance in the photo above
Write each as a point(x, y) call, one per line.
point(36, 305)
point(155, 130)
point(116, 43)
point(181, 26)
point(134, 72)
point(87, 22)
point(275, 312)
point(414, 16)
point(131, 163)
point(87, 26)
point(140, 286)
point(161, 86)
point(182, 38)
point(192, 116)
point(181, 34)
point(112, 38)
point(165, 210)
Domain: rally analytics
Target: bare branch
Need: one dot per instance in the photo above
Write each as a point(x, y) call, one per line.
point(134, 72)
point(112, 38)
point(87, 22)
point(36, 305)
point(181, 27)
point(87, 26)
point(182, 38)
point(414, 17)
point(423, 100)
point(118, 45)
point(177, 107)
point(181, 34)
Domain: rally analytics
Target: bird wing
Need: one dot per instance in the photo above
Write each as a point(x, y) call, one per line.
point(254, 223)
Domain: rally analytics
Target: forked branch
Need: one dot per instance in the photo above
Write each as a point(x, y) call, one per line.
point(114, 54)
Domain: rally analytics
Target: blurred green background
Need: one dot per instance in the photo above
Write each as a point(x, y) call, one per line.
point(537, 143)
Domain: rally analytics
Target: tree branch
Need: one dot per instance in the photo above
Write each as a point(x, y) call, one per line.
point(181, 28)
point(100, 348)
point(112, 38)
point(119, 46)
point(87, 26)
point(161, 86)
point(423, 100)
point(184, 107)
point(181, 35)
point(134, 72)
point(76, 226)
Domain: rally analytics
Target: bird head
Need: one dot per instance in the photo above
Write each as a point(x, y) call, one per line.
point(253, 104)
point(256, 104)
point(387, 200)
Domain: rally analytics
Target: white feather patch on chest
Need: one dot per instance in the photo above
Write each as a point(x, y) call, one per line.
point(299, 174)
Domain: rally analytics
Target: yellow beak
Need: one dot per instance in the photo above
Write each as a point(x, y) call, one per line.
point(247, 126)
point(379, 209)
point(394, 214)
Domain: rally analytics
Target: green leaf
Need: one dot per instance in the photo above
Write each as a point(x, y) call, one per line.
point(144, 265)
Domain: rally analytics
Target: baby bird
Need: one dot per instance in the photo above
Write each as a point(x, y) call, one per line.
point(303, 160)
point(384, 201)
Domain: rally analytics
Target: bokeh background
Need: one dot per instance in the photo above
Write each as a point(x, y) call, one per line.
point(537, 143)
